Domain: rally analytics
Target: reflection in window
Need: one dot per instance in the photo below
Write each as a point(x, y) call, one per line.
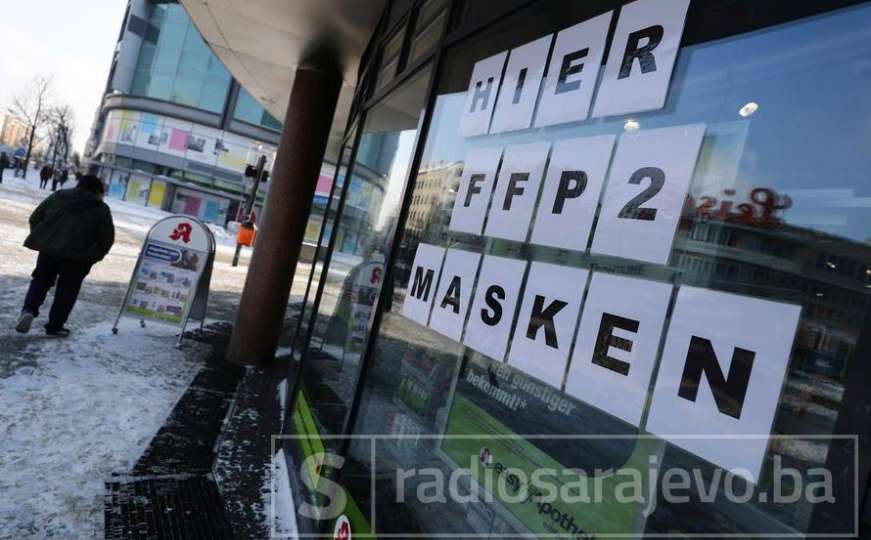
point(303, 291)
point(778, 209)
point(363, 235)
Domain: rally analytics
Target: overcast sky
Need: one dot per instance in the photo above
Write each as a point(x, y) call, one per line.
point(69, 40)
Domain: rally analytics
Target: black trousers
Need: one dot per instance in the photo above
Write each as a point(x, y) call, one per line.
point(69, 275)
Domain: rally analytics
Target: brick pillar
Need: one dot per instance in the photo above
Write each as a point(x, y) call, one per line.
point(295, 174)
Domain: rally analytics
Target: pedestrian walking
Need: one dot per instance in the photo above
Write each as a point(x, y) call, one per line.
point(55, 179)
point(64, 176)
point(44, 175)
point(4, 164)
point(72, 230)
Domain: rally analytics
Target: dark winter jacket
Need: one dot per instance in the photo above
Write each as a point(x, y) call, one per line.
point(72, 224)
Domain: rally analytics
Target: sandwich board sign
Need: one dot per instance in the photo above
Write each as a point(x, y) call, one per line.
point(170, 283)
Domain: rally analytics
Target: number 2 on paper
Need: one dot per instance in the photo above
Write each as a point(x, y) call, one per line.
point(633, 209)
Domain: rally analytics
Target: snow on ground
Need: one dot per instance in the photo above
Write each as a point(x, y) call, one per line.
point(74, 411)
point(88, 408)
point(281, 516)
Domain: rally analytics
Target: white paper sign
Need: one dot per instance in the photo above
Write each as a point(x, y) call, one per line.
point(476, 186)
point(643, 53)
point(516, 191)
point(571, 192)
point(737, 349)
point(493, 308)
point(546, 324)
point(481, 95)
point(573, 72)
point(617, 344)
point(422, 282)
point(646, 191)
point(454, 293)
point(520, 86)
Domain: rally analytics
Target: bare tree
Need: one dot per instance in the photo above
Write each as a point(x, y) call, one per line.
point(61, 123)
point(32, 105)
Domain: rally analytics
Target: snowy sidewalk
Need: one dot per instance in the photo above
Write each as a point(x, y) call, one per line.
point(74, 411)
point(86, 408)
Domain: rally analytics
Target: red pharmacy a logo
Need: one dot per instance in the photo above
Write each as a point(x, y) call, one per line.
point(182, 232)
point(342, 530)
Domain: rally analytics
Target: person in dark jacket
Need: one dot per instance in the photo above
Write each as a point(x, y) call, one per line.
point(45, 175)
point(72, 230)
point(4, 164)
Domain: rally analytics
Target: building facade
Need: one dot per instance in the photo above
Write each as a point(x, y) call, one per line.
point(13, 133)
point(174, 130)
point(587, 246)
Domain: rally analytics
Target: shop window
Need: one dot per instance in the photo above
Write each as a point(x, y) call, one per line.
point(138, 187)
point(364, 235)
point(304, 291)
point(768, 170)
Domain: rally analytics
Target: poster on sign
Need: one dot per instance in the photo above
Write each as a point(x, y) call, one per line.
point(473, 193)
point(642, 57)
point(422, 283)
point(171, 278)
point(516, 191)
point(454, 293)
point(521, 81)
point(571, 192)
point(646, 191)
point(481, 97)
point(496, 298)
point(617, 344)
point(546, 324)
point(573, 72)
point(722, 369)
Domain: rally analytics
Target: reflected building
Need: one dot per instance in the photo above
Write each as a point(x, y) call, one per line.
point(434, 195)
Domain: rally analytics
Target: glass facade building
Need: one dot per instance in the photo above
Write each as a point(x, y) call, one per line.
point(605, 240)
point(175, 131)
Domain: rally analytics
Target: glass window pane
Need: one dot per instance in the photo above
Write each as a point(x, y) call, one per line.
point(425, 40)
point(364, 233)
point(214, 94)
point(140, 82)
point(172, 35)
point(167, 61)
point(390, 58)
point(180, 52)
point(308, 276)
point(146, 57)
point(777, 211)
point(160, 87)
point(248, 110)
point(187, 91)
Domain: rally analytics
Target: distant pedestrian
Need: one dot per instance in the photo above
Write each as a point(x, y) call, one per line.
point(4, 164)
point(55, 179)
point(64, 176)
point(72, 230)
point(45, 175)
